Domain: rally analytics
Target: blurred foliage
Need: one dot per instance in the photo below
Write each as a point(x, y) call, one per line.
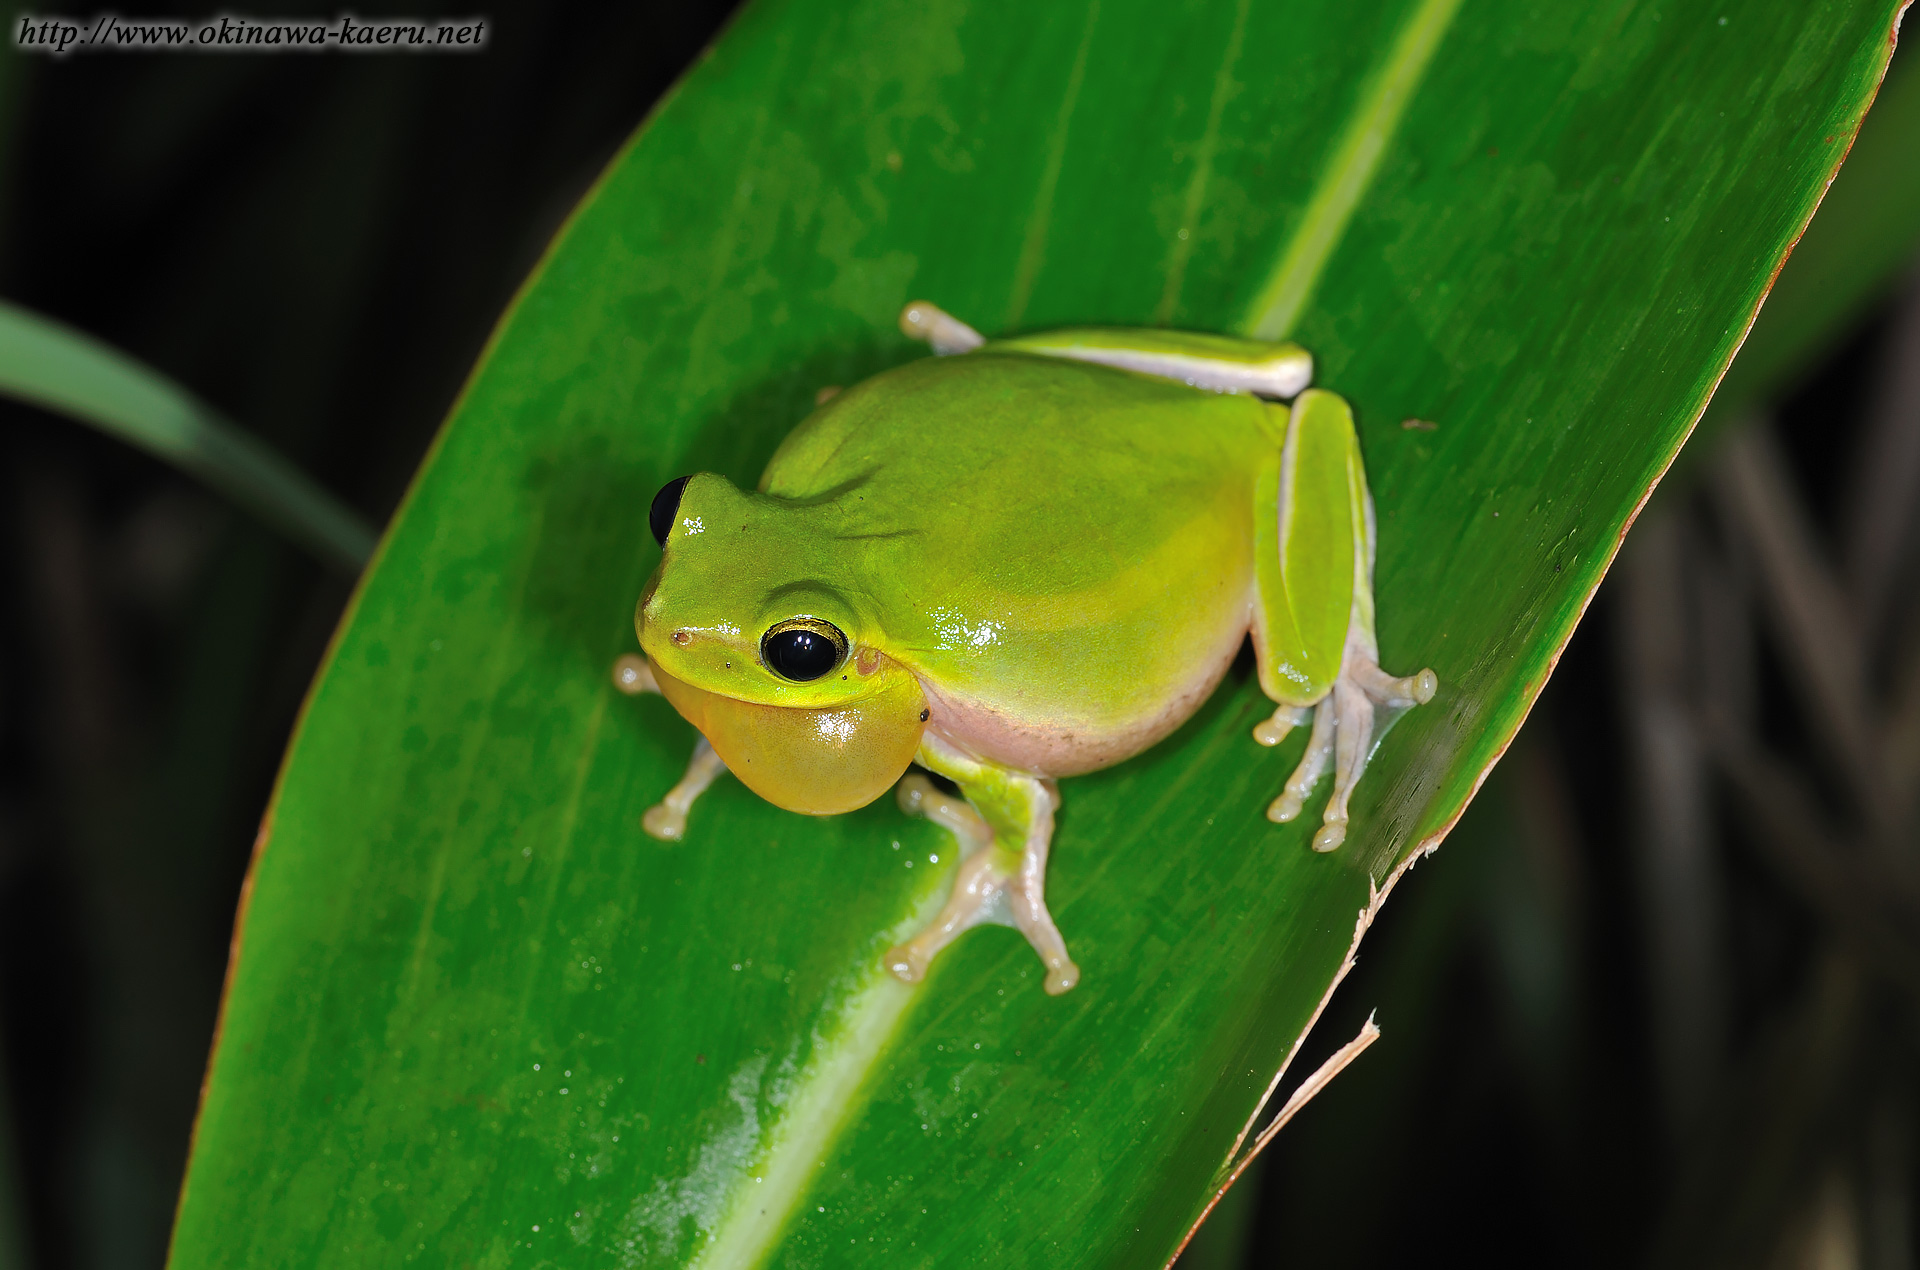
point(63, 370)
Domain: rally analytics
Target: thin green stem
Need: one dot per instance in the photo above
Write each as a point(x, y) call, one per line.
point(63, 370)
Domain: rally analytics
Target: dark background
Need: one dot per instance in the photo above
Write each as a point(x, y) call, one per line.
point(319, 247)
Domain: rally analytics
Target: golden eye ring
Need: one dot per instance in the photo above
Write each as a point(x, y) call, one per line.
point(803, 649)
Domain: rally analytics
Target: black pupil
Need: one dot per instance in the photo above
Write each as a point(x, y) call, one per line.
point(799, 654)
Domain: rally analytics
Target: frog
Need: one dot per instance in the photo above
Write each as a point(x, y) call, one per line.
point(1016, 561)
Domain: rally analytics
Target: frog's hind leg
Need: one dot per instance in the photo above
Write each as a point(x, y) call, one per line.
point(1313, 627)
point(1005, 829)
point(1221, 363)
point(667, 820)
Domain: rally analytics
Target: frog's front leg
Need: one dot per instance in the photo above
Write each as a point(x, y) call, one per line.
point(920, 797)
point(1005, 828)
point(1313, 615)
point(667, 819)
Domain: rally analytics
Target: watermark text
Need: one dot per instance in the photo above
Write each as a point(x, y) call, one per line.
point(238, 33)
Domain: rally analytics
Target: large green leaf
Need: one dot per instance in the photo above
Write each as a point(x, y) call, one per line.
point(1855, 251)
point(477, 1017)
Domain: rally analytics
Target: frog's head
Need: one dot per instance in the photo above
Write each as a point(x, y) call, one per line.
point(753, 642)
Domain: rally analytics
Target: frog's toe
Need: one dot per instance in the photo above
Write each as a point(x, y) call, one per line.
point(669, 824)
point(907, 962)
point(1312, 765)
point(913, 793)
point(979, 896)
point(1047, 941)
point(633, 676)
point(946, 333)
point(919, 796)
point(1396, 693)
point(1352, 709)
point(1275, 730)
point(1344, 728)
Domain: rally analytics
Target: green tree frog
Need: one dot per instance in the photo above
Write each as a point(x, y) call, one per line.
point(1020, 560)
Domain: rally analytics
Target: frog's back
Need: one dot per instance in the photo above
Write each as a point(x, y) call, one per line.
point(1017, 439)
point(1047, 541)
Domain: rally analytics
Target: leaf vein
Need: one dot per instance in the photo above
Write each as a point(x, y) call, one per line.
point(1279, 303)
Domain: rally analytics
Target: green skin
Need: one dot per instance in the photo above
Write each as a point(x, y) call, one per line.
point(1043, 554)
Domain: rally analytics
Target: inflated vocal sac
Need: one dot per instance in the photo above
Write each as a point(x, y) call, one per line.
point(817, 761)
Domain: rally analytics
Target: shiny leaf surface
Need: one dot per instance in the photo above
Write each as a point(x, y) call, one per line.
point(477, 1017)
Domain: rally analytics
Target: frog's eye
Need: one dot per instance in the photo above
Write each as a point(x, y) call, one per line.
point(665, 504)
point(803, 648)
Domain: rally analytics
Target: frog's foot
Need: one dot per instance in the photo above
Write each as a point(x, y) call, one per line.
point(979, 891)
point(920, 797)
point(668, 820)
point(1342, 732)
point(946, 333)
point(633, 676)
point(994, 885)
